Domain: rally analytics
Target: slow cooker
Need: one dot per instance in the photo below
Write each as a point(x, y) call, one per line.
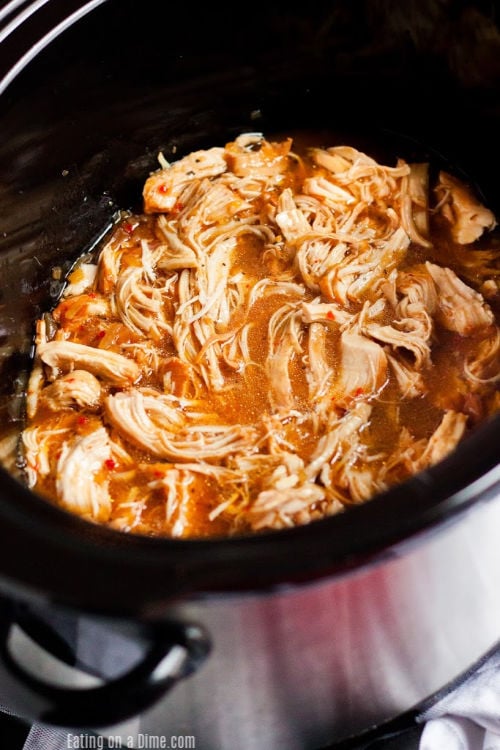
point(301, 638)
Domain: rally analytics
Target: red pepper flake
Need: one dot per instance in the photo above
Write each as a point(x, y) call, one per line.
point(158, 474)
point(178, 206)
point(101, 334)
point(330, 315)
point(359, 392)
point(127, 226)
point(82, 420)
point(163, 188)
point(110, 464)
point(92, 295)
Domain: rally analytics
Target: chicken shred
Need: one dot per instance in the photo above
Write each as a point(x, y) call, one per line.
point(281, 333)
point(467, 217)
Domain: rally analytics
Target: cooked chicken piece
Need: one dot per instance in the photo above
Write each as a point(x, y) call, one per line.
point(318, 260)
point(363, 483)
point(67, 356)
point(410, 339)
point(289, 218)
point(235, 349)
point(403, 461)
point(418, 288)
point(444, 439)
point(350, 165)
point(215, 293)
point(467, 216)
point(276, 467)
point(325, 312)
point(363, 177)
point(363, 368)
point(163, 188)
point(414, 319)
point(35, 384)
point(285, 334)
point(71, 311)
point(319, 372)
point(251, 154)
point(484, 366)
point(413, 322)
point(409, 380)
point(276, 508)
point(38, 443)
point(77, 388)
point(149, 257)
point(268, 287)
point(277, 371)
point(177, 486)
point(362, 270)
point(460, 308)
point(350, 473)
point(77, 486)
point(320, 218)
point(339, 436)
point(289, 471)
point(333, 195)
point(415, 204)
point(153, 423)
point(108, 267)
point(217, 206)
point(386, 288)
point(176, 253)
point(81, 279)
point(182, 484)
point(278, 470)
point(206, 358)
point(140, 305)
point(331, 160)
point(208, 298)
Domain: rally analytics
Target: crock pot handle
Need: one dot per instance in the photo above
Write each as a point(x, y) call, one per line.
point(27, 27)
point(175, 651)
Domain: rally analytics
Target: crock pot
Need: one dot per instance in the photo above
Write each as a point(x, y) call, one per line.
point(297, 638)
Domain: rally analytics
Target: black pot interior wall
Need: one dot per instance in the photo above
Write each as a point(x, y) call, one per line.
point(82, 125)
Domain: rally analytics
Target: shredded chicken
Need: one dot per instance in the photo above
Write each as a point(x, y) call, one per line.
point(460, 308)
point(164, 188)
point(81, 279)
point(66, 355)
point(415, 204)
point(78, 388)
point(444, 439)
point(363, 368)
point(155, 424)
point(79, 488)
point(468, 217)
point(251, 154)
point(273, 339)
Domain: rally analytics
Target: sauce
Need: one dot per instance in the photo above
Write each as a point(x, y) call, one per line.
point(288, 342)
